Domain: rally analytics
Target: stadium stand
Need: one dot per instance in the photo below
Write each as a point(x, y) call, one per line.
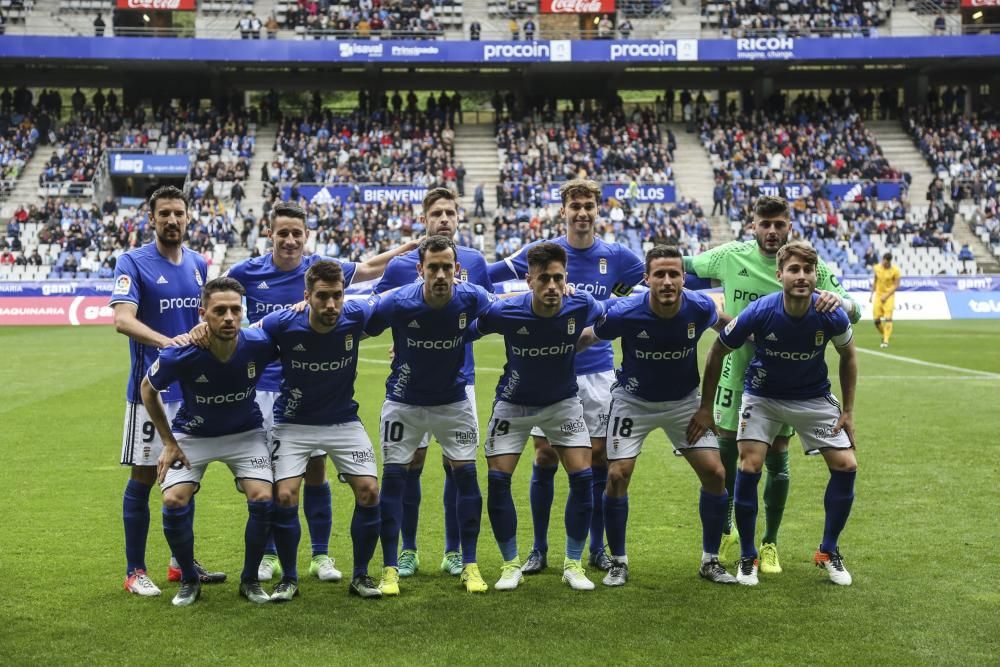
point(796, 18)
point(368, 18)
point(964, 153)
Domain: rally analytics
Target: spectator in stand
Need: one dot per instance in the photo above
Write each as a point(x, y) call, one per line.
point(529, 29)
point(475, 30)
point(515, 30)
point(99, 26)
point(625, 28)
point(605, 29)
point(271, 26)
point(940, 25)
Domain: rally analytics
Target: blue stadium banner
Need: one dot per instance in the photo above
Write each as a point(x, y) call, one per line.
point(318, 193)
point(745, 50)
point(648, 193)
point(974, 305)
point(126, 163)
point(884, 190)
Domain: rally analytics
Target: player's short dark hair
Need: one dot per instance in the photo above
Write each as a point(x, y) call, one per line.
point(887, 256)
point(221, 284)
point(166, 192)
point(435, 194)
point(579, 187)
point(436, 243)
point(543, 254)
point(324, 270)
point(287, 209)
point(662, 252)
point(801, 249)
point(768, 206)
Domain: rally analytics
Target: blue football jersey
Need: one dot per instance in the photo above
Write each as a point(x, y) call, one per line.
point(167, 297)
point(429, 343)
point(788, 361)
point(219, 397)
point(318, 369)
point(659, 355)
point(270, 289)
point(402, 270)
point(541, 351)
point(603, 270)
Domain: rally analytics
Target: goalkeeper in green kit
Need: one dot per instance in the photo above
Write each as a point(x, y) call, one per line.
point(747, 271)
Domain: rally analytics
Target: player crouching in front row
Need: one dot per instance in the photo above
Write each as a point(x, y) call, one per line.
point(787, 384)
point(218, 421)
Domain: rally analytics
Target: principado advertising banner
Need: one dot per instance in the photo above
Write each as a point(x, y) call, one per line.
point(159, 5)
point(577, 6)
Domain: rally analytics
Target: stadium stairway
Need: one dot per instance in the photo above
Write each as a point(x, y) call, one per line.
point(476, 149)
point(684, 21)
point(26, 190)
point(693, 175)
point(263, 154)
point(903, 154)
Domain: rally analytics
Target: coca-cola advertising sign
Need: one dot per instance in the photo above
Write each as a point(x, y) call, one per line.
point(159, 5)
point(577, 6)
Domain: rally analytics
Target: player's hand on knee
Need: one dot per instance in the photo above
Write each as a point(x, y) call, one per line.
point(701, 423)
point(199, 335)
point(828, 301)
point(845, 423)
point(170, 455)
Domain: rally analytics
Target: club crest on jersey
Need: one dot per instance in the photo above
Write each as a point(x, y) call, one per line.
point(349, 342)
point(691, 330)
point(197, 278)
point(464, 275)
point(122, 286)
point(251, 370)
point(571, 326)
point(602, 266)
point(462, 319)
point(819, 338)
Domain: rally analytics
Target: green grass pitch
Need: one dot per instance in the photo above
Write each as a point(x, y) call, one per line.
point(920, 543)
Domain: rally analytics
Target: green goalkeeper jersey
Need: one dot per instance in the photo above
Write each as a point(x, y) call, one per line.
point(746, 275)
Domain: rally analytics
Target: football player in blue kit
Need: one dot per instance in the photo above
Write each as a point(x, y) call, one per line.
point(155, 299)
point(538, 388)
point(787, 384)
point(657, 387)
point(429, 322)
point(275, 281)
point(440, 218)
point(603, 270)
point(218, 420)
point(316, 411)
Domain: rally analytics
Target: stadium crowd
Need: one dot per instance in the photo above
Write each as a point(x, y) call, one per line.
point(796, 18)
point(362, 19)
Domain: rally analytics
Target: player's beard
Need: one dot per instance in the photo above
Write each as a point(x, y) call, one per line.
point(170, 242)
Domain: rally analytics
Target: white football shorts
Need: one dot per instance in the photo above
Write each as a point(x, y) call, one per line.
point(632, 419)
point(245, 453)
point(563, 423)
point(762, 418)
point(265, 401)
point(404, 427)
point(594, 391)
point(470, 393)
point(141, 444)
point(347, 445)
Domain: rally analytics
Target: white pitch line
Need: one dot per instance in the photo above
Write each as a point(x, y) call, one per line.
point(930, 364)
point(929, 377)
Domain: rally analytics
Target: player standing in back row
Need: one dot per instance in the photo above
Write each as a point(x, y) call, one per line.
point(786, 385)
point(747, 271)
point(603, 270)
point(155, 298)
